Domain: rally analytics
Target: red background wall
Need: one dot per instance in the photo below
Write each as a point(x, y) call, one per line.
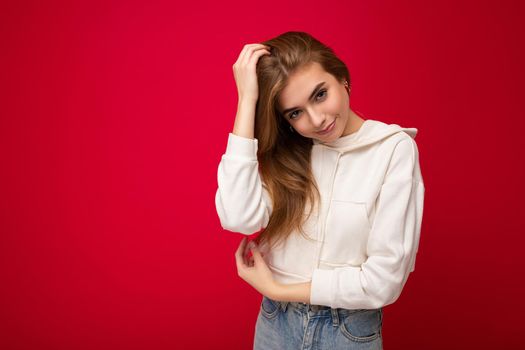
point(113, 119)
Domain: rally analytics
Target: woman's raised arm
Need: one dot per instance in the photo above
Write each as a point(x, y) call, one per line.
point(242, 203)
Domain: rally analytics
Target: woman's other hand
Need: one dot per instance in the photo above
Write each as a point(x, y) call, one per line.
point(254, 269)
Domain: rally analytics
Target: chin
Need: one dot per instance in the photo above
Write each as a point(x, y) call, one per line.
point(337, 134)
point(333, 136)
point(327, 138)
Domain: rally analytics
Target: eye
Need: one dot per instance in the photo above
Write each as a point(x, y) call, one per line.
point(291, 115)
point(320, 92)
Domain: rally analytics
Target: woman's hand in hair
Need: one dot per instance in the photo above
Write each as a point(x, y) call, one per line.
point(245, 73)
point(254, 269)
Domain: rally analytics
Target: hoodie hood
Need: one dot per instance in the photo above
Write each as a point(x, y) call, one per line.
point(371, 131)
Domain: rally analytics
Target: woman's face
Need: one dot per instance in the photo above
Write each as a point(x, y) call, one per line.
point(313, 101)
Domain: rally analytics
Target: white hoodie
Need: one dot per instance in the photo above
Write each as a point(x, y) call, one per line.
point(366, 228)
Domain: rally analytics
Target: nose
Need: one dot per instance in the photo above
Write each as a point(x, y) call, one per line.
point(318, 119)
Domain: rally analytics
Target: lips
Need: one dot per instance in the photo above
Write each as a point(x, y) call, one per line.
point(328, 129)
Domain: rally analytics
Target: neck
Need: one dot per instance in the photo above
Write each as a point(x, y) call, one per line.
point(353, 124)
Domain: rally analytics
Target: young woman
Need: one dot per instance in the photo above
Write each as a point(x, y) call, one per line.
point(340, 199)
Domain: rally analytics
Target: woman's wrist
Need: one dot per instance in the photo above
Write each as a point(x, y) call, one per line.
point(298, 292)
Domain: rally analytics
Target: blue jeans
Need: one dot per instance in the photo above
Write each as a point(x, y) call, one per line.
point(300, 326)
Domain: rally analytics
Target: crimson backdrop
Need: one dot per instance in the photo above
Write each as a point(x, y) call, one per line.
point(113, 118)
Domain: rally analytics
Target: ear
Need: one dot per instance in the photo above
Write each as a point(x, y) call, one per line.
point(346, 85)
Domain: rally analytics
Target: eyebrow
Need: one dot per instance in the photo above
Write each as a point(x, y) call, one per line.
point(317, 87)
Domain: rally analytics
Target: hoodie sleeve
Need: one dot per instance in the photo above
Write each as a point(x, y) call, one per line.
point(392, 244)
point(242, 203)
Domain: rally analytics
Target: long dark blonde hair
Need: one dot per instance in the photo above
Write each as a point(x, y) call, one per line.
point(284, 156)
